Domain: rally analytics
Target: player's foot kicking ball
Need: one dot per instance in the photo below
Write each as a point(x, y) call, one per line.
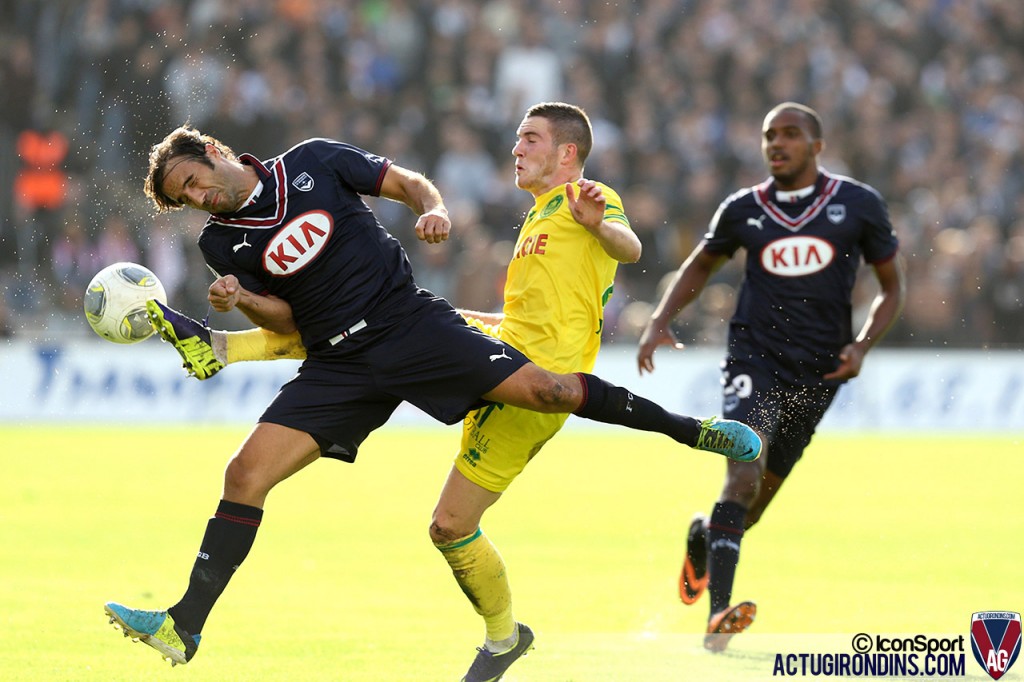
point(191, 339)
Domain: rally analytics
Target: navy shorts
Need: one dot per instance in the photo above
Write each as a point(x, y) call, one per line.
point(421, 352)
point(787, 415)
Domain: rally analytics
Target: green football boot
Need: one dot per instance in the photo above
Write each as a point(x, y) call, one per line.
point(192, 339)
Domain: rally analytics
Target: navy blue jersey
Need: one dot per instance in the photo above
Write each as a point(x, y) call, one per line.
point(310, 239)
point(794, 308)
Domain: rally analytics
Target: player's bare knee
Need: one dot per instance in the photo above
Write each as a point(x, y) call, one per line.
point(553, 393)
point(439, 535)
point(443, 531)
point(242, 483)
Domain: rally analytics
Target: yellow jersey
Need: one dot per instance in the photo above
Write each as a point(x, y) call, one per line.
point(559, 280)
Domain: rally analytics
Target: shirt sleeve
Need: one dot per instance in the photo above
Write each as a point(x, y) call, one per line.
point(359, 169)
point(613, 208)
point(878, 242)
point(720, 237)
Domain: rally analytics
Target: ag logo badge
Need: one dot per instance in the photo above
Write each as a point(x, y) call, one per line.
point(995, 640)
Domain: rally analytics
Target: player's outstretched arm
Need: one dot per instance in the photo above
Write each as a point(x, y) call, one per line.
point(419, 194)
point(685, 287)
point(588, 209)
point(885, 309)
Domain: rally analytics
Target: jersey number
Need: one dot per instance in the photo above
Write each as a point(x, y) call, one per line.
point(740, 385)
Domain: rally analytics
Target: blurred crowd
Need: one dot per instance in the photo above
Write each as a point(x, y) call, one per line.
point(923, 99)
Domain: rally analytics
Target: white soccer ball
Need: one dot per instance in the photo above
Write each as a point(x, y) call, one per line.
point(115, 302)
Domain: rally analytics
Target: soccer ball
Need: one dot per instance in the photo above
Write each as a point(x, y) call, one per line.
point(115, 302)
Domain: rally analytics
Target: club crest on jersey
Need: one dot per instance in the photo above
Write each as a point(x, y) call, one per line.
point(797, 256)
point(995, 640)
point(298, 243)
point(552, 206)
point(303, 183)
point(836, 213)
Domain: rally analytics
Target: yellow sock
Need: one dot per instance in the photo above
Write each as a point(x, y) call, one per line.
point(480, 572)
point(261, 344)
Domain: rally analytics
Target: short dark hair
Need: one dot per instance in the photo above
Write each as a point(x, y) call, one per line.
point(184, 141)
point(569, 123)
point(817, 129)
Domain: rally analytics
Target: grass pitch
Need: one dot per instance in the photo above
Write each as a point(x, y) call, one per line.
point(871, 534)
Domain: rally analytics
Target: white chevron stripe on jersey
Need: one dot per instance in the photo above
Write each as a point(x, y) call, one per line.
point(809, 213)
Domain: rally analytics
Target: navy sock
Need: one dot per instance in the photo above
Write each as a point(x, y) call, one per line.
point(229, 537)
point(604, 402)
point(725, 532)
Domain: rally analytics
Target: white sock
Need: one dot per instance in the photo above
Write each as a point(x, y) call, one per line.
point(501, 646)
point(219, 343)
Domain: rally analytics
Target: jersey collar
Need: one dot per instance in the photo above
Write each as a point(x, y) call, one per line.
point(823, 191)
point(792, 196)
point(272, 209)
point(256, 191)
point(250, 160)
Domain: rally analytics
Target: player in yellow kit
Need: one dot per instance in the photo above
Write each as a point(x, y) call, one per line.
point(559, 279)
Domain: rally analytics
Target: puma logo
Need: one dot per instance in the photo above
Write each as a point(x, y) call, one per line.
point(236, 247)
point(500, 355)
point(756, 222)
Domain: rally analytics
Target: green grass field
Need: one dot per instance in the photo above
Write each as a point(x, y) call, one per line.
point(871, 534)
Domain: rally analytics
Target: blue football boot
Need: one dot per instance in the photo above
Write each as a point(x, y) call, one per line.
point(734, 439)
point(155, 628)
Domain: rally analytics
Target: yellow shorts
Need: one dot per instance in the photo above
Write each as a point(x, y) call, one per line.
point(499, 440)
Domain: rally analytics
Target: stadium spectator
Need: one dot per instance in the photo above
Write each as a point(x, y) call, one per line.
point(527, 70)
point(791, 342)
point(465, 172)
point(74, 260)
point(116, 241)
point(39, 190)
point(18, 80)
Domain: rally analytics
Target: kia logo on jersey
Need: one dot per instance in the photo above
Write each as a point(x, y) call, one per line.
point(797, 256)
point(298, 243)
